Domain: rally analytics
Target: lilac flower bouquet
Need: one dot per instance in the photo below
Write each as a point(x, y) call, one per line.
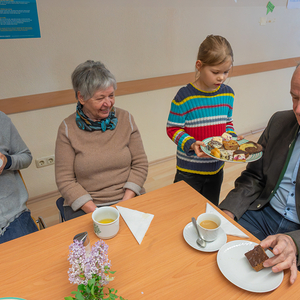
point(91, 272)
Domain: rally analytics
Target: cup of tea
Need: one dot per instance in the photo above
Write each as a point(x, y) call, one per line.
point(106, 222)
point(209, 225)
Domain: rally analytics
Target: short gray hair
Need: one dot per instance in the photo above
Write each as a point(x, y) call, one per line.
point(90, 77)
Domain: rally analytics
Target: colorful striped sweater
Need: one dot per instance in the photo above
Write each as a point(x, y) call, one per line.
point(196, 115)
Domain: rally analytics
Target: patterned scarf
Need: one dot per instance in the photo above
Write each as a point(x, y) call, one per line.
point(84, 123)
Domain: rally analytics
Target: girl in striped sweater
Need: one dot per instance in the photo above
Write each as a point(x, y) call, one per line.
point(200, 110)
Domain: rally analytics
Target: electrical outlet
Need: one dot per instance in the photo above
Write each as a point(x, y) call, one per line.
point(50, 160)
point(45, 161)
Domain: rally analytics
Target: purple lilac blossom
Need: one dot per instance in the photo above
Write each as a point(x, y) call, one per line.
point(85, 267)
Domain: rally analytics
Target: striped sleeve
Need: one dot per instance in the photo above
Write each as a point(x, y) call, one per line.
point(229, 124)
point(175, 128)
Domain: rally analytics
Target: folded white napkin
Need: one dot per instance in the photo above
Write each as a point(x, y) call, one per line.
point(137, 221)
point(227, 226)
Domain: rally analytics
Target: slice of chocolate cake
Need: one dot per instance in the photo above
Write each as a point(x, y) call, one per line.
point(240, 155)
point(256, 257)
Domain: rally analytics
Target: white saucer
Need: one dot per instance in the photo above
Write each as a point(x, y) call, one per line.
point(190, 236)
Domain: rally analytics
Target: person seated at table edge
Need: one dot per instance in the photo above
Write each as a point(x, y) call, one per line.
point(266, 197)
point(99, 156)
point(15, 217)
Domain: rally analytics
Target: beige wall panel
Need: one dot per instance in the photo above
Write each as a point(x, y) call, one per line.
point(139, 39)
point(255, 102)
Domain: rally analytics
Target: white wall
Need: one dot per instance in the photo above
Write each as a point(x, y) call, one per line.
point(140, 39)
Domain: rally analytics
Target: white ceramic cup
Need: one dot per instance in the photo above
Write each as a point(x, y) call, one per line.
point(209, 235)
point(106, 230)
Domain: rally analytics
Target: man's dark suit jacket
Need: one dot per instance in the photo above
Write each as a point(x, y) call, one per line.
point(258, 183)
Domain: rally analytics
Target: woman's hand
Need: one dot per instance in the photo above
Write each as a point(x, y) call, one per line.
point(4, 160)
point(89, 207)
point(285, 251)
point(240, 137)
point(197, 148)
point(128, 194)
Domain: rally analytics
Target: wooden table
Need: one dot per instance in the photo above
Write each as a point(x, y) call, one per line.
point(164, 266)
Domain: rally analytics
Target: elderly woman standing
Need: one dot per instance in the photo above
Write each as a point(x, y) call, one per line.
point(99, 157)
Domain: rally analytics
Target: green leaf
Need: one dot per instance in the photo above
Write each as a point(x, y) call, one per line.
point(87, 289)
point(93, 290)
point(92, 281)
point(81, 287)
point(69, 298)
point(79, 296)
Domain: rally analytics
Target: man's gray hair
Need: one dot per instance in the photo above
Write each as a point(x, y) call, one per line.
point(90, 77)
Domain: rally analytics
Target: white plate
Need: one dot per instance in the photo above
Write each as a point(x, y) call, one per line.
point(190, 235)
point(234, 265)
point(250, 158)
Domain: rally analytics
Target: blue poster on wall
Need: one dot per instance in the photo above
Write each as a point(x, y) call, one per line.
point(19, 19)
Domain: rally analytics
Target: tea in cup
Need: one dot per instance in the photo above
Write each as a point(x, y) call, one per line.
point(209, 225)
point(106, 222)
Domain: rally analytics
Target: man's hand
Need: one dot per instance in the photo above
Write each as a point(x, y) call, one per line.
point(197, 148)
point(228, 213)
point(4, 160)
point(285, 251)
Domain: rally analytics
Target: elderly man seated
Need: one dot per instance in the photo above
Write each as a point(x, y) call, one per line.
point(266, 197)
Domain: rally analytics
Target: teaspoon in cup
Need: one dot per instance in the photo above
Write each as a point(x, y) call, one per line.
point(200, 241)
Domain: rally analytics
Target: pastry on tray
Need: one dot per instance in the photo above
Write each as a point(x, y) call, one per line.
point(226, 136)
point(228, 149)
point(231, 145)
point(226, 154)
point(214, 144)
point(251, 147)
point(215, 152)
point(240, 155)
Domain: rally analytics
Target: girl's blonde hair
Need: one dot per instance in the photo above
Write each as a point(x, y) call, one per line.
point(214, 50)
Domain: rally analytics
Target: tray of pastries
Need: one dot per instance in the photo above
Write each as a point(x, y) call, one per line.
point(229, 149)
